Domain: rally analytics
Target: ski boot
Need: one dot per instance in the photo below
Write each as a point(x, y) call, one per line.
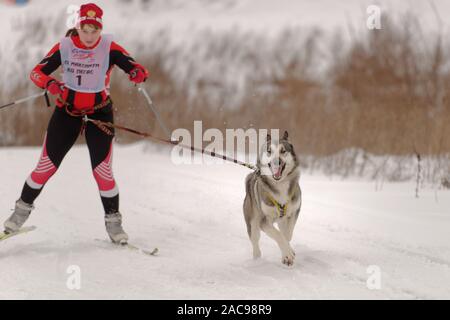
point(113, 223)
point(20, 215)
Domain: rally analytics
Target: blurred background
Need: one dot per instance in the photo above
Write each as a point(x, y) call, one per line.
point(355, 101)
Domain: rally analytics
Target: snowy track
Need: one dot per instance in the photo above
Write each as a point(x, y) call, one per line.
point(193, 214)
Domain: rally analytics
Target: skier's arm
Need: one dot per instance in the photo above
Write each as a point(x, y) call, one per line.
point(120, 57)
point(40, 75)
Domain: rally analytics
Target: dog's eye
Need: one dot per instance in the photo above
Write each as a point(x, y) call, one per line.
point(283, 151)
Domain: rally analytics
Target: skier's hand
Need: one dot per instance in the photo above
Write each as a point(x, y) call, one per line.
point(139, 74)
point(55, 87)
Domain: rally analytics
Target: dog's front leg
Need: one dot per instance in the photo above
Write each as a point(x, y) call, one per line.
point(291, 224)
point(286, 228)
point(287, 255)
point(287, 225)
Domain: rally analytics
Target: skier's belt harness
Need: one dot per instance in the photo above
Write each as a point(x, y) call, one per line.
point(81, 113)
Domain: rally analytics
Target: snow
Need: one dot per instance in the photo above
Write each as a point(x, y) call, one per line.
point(193, 214)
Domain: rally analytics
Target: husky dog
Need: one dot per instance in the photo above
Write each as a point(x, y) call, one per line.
point(273, 195)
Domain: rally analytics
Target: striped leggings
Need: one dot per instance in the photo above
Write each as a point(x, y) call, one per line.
point(62, 132)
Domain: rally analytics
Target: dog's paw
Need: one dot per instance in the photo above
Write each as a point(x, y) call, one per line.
point(288, 259)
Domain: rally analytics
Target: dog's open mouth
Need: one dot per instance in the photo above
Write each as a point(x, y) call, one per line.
point(278, 171)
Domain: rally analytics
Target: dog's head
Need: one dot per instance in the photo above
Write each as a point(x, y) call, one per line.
point(277, 159)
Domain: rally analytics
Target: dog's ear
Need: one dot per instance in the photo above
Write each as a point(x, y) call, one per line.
point(285, 135)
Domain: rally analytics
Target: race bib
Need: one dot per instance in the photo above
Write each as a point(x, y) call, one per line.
point(84, 70)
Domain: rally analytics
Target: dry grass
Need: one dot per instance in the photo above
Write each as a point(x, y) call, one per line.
point(388, 94)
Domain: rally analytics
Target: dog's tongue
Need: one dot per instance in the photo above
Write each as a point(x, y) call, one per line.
point(278, 173)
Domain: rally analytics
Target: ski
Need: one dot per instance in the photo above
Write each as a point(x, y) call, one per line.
point(4, 236)
point(144, 251)
point(132, 247)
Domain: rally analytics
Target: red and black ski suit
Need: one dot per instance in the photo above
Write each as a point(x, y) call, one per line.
point(63, 129)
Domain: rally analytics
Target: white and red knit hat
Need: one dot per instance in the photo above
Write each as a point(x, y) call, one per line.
point(90, 13)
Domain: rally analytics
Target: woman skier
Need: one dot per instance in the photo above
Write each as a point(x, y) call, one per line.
point(87, 58)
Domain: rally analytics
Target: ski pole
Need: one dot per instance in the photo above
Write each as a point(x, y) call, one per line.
point(24, 100)
point(150, 104)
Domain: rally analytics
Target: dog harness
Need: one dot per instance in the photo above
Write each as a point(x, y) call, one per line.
point(281, 208)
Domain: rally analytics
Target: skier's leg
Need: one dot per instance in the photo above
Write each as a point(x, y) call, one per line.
point(100, 146)
point(62, 133)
